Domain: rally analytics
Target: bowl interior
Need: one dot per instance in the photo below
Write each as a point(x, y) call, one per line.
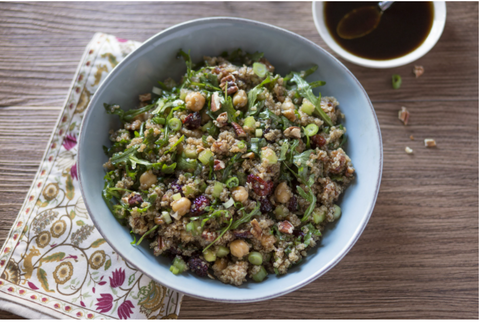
point(440, 16)
point(155, 60)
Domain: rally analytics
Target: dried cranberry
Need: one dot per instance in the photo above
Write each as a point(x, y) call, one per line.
point(177, 188)
point(265, 205)
point(198, 205)
point(292, 204)
point(317, 141)
point(298, 232)
point(198, 266)
point(193, 121)
point(260, 186)
point(242, 234)
point(135, 200)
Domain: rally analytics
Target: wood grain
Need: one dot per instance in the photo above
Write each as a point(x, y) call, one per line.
point(418, 257)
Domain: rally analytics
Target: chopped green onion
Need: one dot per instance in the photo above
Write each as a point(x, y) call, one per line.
point(205, 156)
point(396, 81)
point(177, 196)
point(258, 133)
point(260, 69)
point(318, 216)
point(166, 217)
point(249, 124)
point(209, 255)
point(222, 251)
point(232, 182)
point(311, 129)
point(262, 273)
point(174, 124)
point(307, 107)
point(255, 258)
point(217, 189)
point(241, 145)
point(229, 203)
point(190, 153)
point(158, 120)
point(179, 263)
point(337, 212)
point(174, 270)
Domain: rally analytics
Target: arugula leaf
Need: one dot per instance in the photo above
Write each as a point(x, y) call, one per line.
point(227, 106)
point(188, 63)
point(254, 92)
point(246, 217)
point(305, 90)
point(310, 197)
point(221, 234)
point(124, 156)
point(134, 160)
point(146, 234)
point(231, 163)
point(310, 71)
point(317, 84)
point(128, 115)
point(284, 150)
point(302, 158)
point(175, 144)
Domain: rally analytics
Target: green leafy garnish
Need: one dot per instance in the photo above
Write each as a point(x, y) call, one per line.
point(146, 234)
point(221, 234)
point(246, 217)
point(305, 90)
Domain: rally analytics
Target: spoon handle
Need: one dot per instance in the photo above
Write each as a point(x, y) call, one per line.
point(384, 5)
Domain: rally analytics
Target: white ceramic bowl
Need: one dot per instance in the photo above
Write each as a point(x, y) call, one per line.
point(440, 16)
point(155, 60)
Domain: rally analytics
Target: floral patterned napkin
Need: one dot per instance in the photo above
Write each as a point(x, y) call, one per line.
point(54, 263)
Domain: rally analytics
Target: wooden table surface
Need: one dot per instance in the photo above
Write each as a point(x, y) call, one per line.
point(418, 256)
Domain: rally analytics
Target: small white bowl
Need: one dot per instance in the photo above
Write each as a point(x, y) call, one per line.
point(439, 18)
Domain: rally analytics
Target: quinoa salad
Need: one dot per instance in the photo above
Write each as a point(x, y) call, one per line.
point(233, 172)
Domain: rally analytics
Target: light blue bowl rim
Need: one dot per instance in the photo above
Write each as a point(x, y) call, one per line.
point(360, 228)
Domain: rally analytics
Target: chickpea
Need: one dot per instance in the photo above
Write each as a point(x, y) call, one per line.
point(220, 264)
point(181, 206)
point(239, 194)
point(147, 179)
point(194, 101)
point(239, 248)
point(240, 99)
point(283, 193)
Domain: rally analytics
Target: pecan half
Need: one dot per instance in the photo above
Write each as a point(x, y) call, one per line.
point(209, 236)
point(238, 129)
point(216, 103)
point(285, 227)
point(218, 165)
point(256, 229)
point(292, 132)
point(229, 81)
point(222, 119)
